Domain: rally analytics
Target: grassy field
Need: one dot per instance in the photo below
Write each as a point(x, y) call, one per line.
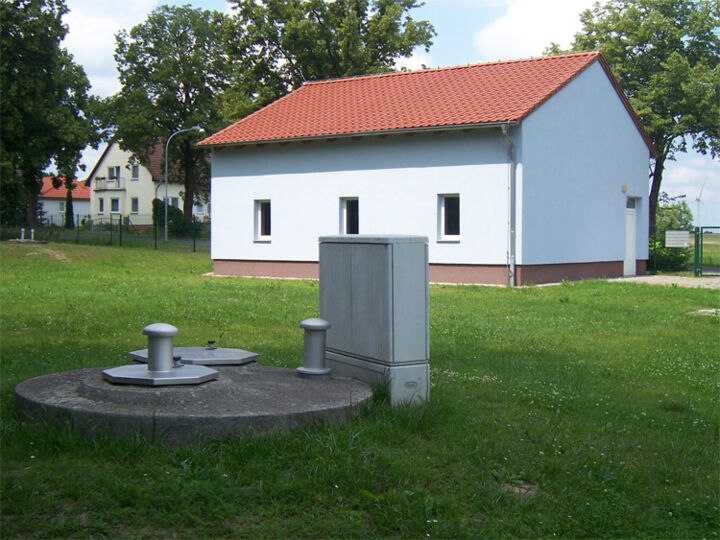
point(586, 409)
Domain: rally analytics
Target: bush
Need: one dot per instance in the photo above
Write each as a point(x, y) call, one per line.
point(178, 226)
point(669, 259)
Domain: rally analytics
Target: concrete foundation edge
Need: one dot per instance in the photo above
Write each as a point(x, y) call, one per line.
point(442, 273)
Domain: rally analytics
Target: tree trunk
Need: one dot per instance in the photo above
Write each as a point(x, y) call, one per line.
point(655, 190)
point(32, 189)
point(189, 198)
point(69, 211)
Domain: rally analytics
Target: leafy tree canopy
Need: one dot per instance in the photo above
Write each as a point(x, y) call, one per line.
point(279, 44)
point(46, 112)
point(665, 54)
point(172, 69)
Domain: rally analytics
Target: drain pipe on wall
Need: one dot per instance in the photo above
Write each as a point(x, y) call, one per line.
point(511, 206)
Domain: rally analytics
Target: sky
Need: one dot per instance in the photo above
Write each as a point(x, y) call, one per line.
point(468, 31)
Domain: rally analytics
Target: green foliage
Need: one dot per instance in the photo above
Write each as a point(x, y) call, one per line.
point(672, 215)
point(607, 403)
point(665, 54)
point(44, 104)
point(172, 69)
point(277, 45)
point(178, 224)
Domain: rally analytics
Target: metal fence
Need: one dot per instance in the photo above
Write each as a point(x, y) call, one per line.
point(707, 251)
point(123, 231)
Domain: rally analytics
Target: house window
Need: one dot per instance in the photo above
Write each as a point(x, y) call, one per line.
point(199, 207)
point(134, 205)
point(134, 172)
point(175, 201)
point(101, 206)
point(114, 172)
point(114, 205)
point(349, 215)
point(61, 207)
point(262, 221)
point(449, 217)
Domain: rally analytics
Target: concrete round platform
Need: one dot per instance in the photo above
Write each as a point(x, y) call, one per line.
point(244, 400)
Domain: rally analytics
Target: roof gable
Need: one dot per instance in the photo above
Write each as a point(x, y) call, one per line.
point(462, 96)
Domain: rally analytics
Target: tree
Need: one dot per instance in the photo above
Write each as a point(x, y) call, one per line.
point(172, 69)
point(279, 44)
point(665, 54)
point(44, 105)
point(672, 215)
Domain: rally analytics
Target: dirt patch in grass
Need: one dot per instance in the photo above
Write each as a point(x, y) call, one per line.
point(53, 253)
point(524, 490)
point(710, 311)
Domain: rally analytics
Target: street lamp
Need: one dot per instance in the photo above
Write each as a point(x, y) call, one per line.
point(167, 143)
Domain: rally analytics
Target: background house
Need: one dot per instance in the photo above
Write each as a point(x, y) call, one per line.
point(521, 171)
point(53, 202)
point(122, 186)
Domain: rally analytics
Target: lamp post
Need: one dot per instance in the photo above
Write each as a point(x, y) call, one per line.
point(167, 144)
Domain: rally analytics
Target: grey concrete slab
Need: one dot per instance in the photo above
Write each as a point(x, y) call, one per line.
point(203, 356)
point(244, 400)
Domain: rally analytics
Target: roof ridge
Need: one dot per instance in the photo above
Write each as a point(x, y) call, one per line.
point(593, 53)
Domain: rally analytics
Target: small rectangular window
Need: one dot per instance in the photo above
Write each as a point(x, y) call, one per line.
point(449, 217)
point(631, 201)
point(263, 229)
point(61, 206)
point(114, 205)
point(113, 172)
point(134, 205)
point(135, 172)
point(101, 206)
point(349, 215)
point(199, 207)
point(175, 201)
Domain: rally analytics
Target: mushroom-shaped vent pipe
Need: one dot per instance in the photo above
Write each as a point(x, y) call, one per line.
point(314, 349)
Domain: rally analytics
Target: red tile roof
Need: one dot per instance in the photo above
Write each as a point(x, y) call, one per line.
point(47, 191)
point(431, 98)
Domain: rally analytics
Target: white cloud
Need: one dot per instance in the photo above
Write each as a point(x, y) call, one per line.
point(91, 38)
point(416, 61)
point(528, 27)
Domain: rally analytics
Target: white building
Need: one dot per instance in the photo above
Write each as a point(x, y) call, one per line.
point(53, 202)
point(525, 171)
point(121, 186)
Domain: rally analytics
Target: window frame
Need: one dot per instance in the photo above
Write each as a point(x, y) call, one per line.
point(101, 205)
point(114, 200)
point(134, 172)
point(442, 218)
point(345, 215)
point(135, 205)
point(262, 212)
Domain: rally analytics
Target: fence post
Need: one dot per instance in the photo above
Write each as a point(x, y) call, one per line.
point(120, 226)
point(77, 231)
point(111, 230)
point(155, 227)
point(697, 263)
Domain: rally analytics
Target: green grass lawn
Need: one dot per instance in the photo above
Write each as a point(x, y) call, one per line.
point(602, 397)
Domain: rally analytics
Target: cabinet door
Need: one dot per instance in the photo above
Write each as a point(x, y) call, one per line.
point(355, 292)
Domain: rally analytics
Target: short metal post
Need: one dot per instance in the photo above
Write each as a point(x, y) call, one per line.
point(160, 346)
point(314, 349)
point(22, 234)
point(32, 234)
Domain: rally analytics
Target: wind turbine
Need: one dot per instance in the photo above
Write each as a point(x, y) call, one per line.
point(698, 200)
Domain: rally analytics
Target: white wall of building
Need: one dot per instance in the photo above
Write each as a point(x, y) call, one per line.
point(577, 151)
point(54, 210)
point(397, 180)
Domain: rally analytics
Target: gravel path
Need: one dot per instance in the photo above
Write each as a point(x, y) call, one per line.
point(680, 281)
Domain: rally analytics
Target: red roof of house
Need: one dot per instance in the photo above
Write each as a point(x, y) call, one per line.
point(432, 98)
point(48, 191)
